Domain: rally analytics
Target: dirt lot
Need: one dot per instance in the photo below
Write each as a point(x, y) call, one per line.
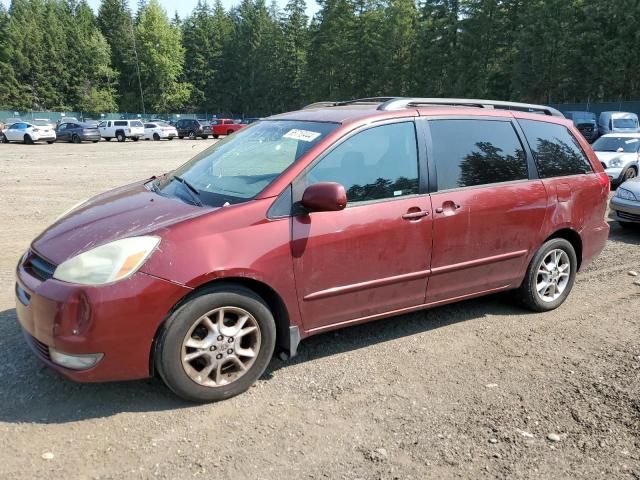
point(471, 390)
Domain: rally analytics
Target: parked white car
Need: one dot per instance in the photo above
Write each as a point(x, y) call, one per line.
point(121, 130)
point(28, 133)
point(159, 130)
point(619, 154)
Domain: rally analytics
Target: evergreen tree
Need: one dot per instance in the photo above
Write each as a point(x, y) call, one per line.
point(9, 89)
point(116, 24)
point(296, 45)
point(161, 56)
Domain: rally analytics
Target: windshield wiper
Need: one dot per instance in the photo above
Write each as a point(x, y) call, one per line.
point(193, 191)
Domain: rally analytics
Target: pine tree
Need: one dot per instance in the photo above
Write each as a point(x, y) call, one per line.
point(116, 24)
point(196, 34)
point(9, 90)
point(296, 46)
point(161, 56)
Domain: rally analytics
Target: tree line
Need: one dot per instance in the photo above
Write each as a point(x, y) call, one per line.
point(259, 58)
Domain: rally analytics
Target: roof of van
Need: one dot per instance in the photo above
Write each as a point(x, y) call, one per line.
point(619, 114)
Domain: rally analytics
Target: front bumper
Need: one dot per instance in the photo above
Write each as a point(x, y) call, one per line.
point(625, 210)
point(614, 174)
point(119, 320)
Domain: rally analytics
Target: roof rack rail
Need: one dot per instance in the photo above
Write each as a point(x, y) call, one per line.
point(399, 103)
point(355, 101)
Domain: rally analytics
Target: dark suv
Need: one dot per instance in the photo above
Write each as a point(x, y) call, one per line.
point(586, 123)
point(308, 221)
point(190, 128)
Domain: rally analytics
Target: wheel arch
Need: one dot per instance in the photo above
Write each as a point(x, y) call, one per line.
point(287, 335)
point(573, 238)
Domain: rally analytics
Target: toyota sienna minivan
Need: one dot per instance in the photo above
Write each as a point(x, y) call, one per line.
point(304, 222)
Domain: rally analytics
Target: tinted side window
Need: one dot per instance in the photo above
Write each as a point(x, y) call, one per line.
point(556, 151)
point(380, 162)
point(476, 152)
point(120, 124)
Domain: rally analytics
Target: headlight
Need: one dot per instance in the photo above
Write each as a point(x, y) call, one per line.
point(616, 162)
point(626, 194)
point(107, 263)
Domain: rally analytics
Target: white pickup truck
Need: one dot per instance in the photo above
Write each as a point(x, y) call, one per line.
point(121, 130)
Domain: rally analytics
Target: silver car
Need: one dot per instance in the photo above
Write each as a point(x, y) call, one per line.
point(619, 153)
point(625, 204)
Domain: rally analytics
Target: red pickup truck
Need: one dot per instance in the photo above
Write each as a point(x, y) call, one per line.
point(224, 126)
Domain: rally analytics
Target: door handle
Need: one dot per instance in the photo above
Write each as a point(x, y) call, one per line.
point(415, 215)
point(448, 206)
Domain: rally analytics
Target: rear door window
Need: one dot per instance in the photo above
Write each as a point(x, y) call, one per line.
point(470, 152)
point(377, 163)
point(120, 124)
point(556, 151)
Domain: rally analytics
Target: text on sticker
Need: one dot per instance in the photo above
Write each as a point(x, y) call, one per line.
point(304, 135)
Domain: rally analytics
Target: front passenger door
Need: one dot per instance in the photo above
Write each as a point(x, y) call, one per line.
point(372, 257)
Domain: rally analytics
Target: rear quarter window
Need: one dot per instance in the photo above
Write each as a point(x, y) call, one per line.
point(556, 151)
point(474, 152)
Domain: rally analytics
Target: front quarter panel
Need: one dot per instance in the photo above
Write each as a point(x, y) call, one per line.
point(232, 242)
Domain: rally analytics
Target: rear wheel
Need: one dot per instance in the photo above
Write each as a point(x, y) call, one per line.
point(4, 139)
point(180, 137)
point(550, 276)
point(28, 140)
point(75, 138)
point(204, 137)
point(135, 139)
point(156, 137)
point(192, 135)
point(95, 141)
point(107, 139)
point(216, 345)
point(170, 138)
point(50, 141)
point(229, 132)
point(215, 135)
point(120, 137)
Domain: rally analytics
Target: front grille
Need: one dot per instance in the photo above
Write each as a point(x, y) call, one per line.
point(629, 216)
point(41, 349)
point(38, 266)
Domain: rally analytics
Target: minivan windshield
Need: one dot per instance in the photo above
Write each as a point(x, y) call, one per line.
point(624, 123)
point(612, 144)
point(241, 165)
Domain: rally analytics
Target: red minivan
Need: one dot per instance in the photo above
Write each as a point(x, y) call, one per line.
point(304, 222)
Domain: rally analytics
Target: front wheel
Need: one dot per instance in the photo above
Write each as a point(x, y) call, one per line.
point(120, 137)
point(156, 137)
point(75, 139)
point(135, 139)
point(192, 135)
point(28, 140)
point(216, 345)
point(629, 174)
point(550, 276)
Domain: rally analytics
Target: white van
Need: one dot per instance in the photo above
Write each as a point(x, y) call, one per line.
point(121, 130)
point(618, 122)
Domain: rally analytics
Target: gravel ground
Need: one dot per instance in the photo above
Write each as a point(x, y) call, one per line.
point(479, 389)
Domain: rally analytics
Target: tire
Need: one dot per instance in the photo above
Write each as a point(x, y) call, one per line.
point(170, 138)
point(28, 140)
point(529, 288)
point(192, 135)
point(156, 137)
point(629, 173)
point(186, 324)
point(96, 141)
point(51, 142)
point(75, 139)
point(120, 137)
point(4, 139)
point(628, 225)
point(135, 139)
point(204, 137)
point(229, 132)
point(107, 139)
point(215, 135)
point(181, 137)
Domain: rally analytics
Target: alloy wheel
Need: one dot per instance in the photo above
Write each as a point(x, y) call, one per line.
point(553, 275)
point(221, 346)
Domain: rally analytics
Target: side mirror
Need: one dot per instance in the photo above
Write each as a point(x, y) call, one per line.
point(324, 197)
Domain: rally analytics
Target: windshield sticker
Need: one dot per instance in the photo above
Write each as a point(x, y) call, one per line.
point(304, 135)
point(633, 140)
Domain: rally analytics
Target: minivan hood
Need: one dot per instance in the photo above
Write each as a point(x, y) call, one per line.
point(124, 212)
